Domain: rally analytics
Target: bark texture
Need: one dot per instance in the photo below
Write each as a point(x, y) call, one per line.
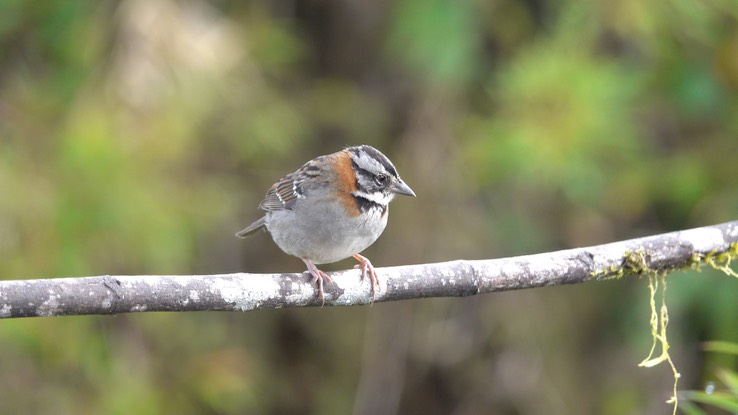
point(110, 294)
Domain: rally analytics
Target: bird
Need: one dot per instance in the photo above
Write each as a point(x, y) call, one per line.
point(332, 208)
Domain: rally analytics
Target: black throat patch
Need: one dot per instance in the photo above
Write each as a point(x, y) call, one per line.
point(366, 205)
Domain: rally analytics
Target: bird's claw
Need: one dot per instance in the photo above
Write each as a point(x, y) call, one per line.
point(318, 276)
point(367, 268)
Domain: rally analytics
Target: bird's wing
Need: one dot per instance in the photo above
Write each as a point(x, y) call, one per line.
point(283, 194)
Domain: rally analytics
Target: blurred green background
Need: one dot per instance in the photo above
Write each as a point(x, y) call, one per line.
point(137, 137)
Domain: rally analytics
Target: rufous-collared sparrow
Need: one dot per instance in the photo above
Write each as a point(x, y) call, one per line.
point(331, 208)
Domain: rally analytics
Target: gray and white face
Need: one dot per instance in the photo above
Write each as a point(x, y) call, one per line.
point(377, 179)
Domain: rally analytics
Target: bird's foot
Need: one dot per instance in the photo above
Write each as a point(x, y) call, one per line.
point(318, 276)
point(367, 269)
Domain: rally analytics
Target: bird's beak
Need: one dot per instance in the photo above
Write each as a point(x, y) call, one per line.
point(400, 188)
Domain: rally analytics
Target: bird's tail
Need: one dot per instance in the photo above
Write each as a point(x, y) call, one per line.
point(252, 228)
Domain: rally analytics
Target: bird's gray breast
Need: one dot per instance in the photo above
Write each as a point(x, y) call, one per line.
point(318, 228)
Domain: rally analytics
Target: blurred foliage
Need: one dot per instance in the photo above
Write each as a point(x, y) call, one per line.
point(723, 396)
point(137, 137)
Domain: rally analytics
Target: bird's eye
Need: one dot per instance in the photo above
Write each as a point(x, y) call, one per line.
point(381, 179)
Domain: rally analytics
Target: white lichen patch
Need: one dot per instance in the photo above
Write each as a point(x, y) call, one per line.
point(49, 307)
point(247, 295)
point(356, 291)
point(6, 311)
point(302, 293)
point(703, 239)
point(138, 308)
point(732, 231)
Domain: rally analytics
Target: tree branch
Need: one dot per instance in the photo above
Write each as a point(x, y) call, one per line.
point(243, 292)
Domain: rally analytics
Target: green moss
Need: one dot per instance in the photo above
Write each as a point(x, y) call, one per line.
point(636, 263)
point(719, 260)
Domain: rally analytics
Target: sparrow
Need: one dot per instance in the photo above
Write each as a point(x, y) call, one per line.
point(331, 208)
